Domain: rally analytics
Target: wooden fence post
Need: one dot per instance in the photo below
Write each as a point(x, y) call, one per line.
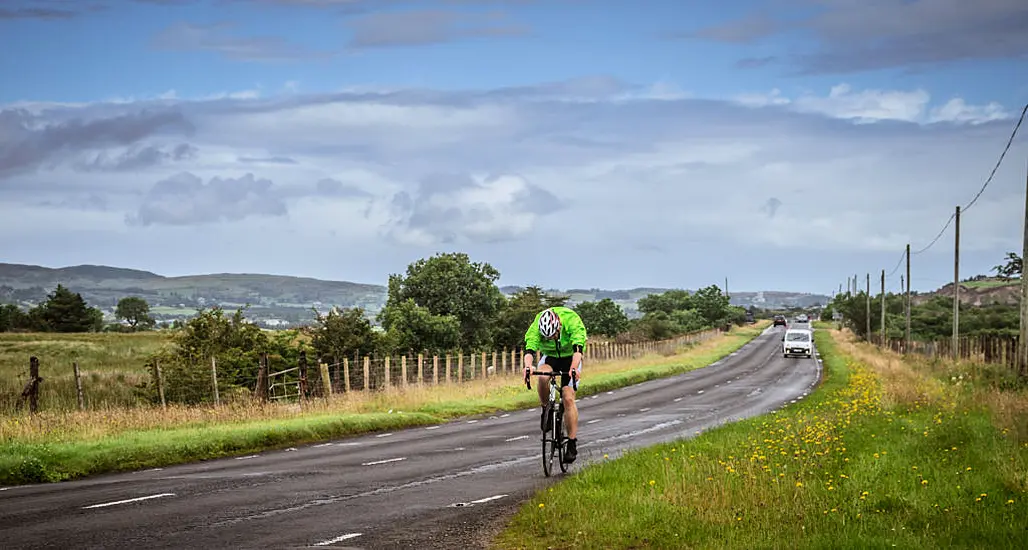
point(460, 367)
point(78, 386)
point(403, 368)
point(326, 382)
point(367, 372)
point(214, 379)
point(303, 375)
point(503, 362)
point(31, 391)
point(421, 369)
point(484, 373)
point(447, 368)
point(160, 383)
point(496, 371)
point(346, 374)
point(471, 368)
point(387, 371)
point(435, 370)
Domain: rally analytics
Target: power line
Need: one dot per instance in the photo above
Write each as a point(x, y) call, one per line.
point(903, 255)
point(949, 221)
point(1001, 155)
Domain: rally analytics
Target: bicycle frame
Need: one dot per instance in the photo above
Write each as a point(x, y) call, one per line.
point(553, 444)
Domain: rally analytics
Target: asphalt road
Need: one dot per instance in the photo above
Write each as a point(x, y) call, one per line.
point(451, 485)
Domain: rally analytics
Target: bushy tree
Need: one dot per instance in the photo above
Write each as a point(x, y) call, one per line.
point(67, 311)
point(1014, 266)
point(135, 311)
point(450, 285)
point(603, 317)
point(235, 343)
point(343, 333)
point(415, 329)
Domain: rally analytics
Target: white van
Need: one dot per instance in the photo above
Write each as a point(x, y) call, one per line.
point(798, 341)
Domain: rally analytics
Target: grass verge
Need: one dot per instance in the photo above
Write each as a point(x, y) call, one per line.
point(870, 459)
point(57, 446)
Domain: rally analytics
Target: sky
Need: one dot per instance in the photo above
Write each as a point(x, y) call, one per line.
point(781, 144)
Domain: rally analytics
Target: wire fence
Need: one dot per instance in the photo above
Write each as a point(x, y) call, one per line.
point(206, 381)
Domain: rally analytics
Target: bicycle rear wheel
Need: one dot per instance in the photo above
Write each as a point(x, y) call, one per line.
point(549, 444)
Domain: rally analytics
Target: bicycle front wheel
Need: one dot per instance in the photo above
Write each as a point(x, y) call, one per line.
point(549, 444)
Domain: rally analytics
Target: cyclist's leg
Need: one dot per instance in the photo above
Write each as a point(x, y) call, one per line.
point(543, 386)
point(542, 383)
point(570, 409)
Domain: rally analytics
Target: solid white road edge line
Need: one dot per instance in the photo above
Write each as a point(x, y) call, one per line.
point(384, 461)
point(340, 538)
point(128, 500)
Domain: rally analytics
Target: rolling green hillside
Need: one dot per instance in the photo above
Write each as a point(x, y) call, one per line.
point(273, 298)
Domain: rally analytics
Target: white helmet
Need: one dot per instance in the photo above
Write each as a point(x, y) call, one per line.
point(549, 324)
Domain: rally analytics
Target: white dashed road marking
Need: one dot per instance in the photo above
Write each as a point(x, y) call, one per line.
point(384, 435)
point(594, 420)
point(517, 438)
point(126, 501)
point(432, 428)
point(487, 499)
point(245, 457)
point(340, 538)
point(472, 421)
point(323, 445)
point(384, 461)
point(644, 409)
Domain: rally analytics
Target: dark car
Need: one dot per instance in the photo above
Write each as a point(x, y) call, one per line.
point(780, 320)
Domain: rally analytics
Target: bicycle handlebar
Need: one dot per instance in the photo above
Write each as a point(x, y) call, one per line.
point(551, 374)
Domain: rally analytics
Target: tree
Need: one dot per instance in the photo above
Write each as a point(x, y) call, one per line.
point(343, 333)
point(1014, 267)
point(668, 302)
point(416, 329)
point(450, 284)
point(518, 313)
point(136, 311)
point(67, 311)
point(603, 317)
point(712, 305)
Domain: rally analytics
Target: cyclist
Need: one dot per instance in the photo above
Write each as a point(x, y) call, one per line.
point(558, 334)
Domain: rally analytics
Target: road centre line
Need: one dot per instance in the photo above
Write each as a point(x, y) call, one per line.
point(340, 538)
point(384, 461)
point(126, 501)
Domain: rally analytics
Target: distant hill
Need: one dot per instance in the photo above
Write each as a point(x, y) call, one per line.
point(275, 299)
point(979, 292)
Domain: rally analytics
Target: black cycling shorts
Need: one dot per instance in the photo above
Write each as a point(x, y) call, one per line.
point(561, 365)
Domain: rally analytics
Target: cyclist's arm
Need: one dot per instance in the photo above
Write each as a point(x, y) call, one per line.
point(532, 343)
point(576, 329)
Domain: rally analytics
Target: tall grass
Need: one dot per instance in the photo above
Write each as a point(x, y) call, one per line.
point(882, 455)
point(111, 365)
point(56, 445)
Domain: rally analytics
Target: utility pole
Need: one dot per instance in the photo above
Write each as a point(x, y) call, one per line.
point(1022, 342)
point(906, 345)
point(883, 308)
point(867, 313)
point(956, 289)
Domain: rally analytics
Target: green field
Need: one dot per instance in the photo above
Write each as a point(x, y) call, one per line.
point(992, 283)
point(56, 446)
point(111, 365)
point(882, 455)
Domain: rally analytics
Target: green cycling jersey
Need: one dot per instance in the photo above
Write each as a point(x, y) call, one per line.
point(572, 333)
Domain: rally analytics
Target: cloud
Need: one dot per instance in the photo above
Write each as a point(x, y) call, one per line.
point(136, 158)
point(218, 38)
point(872, 105)
point(423, 27)
point(184, 199)
point(456, 208)
point(856, 36)
point(28, 140)
point(590, 169)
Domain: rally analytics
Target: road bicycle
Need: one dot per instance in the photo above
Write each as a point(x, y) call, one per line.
point(554, 437)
